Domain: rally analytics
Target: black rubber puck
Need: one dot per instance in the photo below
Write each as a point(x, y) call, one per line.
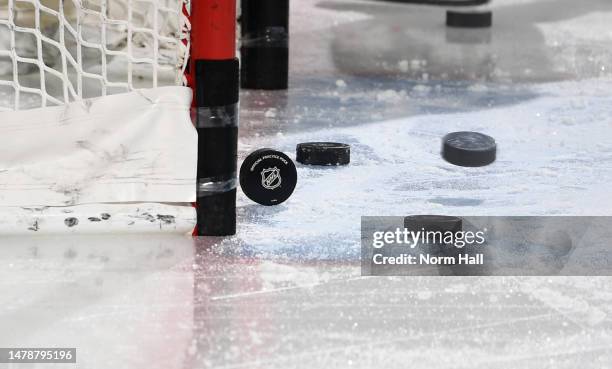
point(469, 149)
point(433, 223)
point(323, 153)
point(424, 224)
point(463, 19)
point(268, 177)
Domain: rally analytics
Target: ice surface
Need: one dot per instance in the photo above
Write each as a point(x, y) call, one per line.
point(391, 84)
point(286, 292)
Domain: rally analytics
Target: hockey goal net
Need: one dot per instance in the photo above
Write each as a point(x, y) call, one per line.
point(95, 117)
point(53, 52)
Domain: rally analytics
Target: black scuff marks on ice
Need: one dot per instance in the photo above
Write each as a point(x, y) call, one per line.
point(166, 219)
point(71, 222)
point(34, 227)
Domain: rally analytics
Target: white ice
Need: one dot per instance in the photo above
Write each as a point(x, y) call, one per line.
point(286, 292)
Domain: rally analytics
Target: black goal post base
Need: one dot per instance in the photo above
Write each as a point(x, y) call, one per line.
point(264, 48)
point(216, 120)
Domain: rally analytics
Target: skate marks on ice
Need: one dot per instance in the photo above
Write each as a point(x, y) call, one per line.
point(304, 314)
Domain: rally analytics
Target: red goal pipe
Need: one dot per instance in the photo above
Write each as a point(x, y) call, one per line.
point(213, 75)
point(213, 29)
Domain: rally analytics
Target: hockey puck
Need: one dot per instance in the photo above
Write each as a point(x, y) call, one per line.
point(469, 149)
point(462, 19)
point(323, 153)
point(268, 177)
point(433, 223)
point(423, 225)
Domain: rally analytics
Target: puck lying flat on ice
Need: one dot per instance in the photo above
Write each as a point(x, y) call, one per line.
point(469, 149)
point(323, 153)
point(268, 177)
point(463, 19)
point(433, 223)
point(423, 225)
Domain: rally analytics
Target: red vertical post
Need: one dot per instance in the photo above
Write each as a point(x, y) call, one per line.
point(213, 75)
point(213, 30)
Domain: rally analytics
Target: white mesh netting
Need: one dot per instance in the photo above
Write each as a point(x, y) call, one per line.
point(56, 51)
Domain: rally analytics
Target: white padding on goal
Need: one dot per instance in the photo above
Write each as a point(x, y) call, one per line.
point(133, 147)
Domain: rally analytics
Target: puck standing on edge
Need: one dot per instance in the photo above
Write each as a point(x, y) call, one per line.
point(268, 177)
point(323, 153)
point(469, 149)
point(474, 19)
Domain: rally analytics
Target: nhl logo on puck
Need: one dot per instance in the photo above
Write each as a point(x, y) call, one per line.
point(268, 177)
